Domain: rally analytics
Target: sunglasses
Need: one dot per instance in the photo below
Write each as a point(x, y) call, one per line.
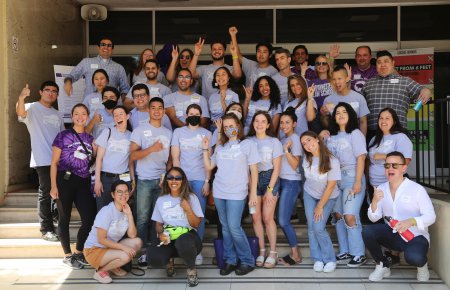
point(106, 44)
point(324, 63)
point(177, 178)
point(393, 165)
point(185, 56)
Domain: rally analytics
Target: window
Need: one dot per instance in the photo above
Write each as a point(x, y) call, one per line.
point(425, 22)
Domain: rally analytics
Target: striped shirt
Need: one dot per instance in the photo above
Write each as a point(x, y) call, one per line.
point(393, 91)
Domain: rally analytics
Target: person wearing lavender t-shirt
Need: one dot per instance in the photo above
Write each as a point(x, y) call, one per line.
point(71, 181)
point(219, 101)
point(283, 60)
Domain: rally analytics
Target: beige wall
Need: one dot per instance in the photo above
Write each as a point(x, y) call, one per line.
point(38, 24)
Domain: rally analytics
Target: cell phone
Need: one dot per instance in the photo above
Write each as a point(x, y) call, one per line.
point(67, 175)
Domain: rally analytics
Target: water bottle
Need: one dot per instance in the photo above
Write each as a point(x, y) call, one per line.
point(406, 235)
point(418, 106)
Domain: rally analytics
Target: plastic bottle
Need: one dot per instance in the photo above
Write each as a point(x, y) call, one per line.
point(417, 106)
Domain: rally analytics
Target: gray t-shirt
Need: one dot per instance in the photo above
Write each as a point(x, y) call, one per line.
point(158, 90)
point(93, 101)
point(253, 71)
point(233, 160)
point(113, 221)
point(117, 150)
point(347, 147)
point(354, 99)
point(300, 112)
point(169, 212)
point(206, 74)
point(153, 165)
point(180, 103)
point(296, 149)
point(138, 118)
point(283, 86)
point(107, 121)
point(260, 105)
point(269, 148)
point(43, 124)
point(316, 182)
point(397, 142)
point(142, 78)
point(215, 104)
point(191, 155)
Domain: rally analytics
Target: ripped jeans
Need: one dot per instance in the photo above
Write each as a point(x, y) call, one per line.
point(349, 238)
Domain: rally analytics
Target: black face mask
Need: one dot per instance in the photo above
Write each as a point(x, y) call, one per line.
point(193, 120)
point(109, 104)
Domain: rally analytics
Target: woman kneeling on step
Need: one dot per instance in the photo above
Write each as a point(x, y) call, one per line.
point(177, 214)
point(106, 249)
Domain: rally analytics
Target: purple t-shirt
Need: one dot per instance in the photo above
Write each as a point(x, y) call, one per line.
point(309, 74)
point(323, 90)
point(360, 77)
point(73, 157)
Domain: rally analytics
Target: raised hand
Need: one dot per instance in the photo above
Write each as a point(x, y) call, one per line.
point(311, 90)
point(25, 92)
point(349, 70)
point(334, 50)
point(232, 30)
point(199, 46)
point(175, 52)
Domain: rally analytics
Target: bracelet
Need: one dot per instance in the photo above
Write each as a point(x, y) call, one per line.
point(206, 180)
point(269, 189)
point(235, 57)
point(219, 132)
point(413, 221)
point(205, 149)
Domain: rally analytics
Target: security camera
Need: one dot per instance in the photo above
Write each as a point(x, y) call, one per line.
point(94, 12)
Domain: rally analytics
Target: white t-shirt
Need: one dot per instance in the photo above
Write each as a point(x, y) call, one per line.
point(316, 182)
point(113, 221)
point(153, 165)
point(43, 124)
point(117, 150)
point(169, 212)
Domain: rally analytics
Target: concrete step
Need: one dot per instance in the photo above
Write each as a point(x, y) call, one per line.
point(23, 198)
point(25, 214)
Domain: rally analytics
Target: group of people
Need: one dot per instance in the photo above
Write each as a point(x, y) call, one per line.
point(299, 132)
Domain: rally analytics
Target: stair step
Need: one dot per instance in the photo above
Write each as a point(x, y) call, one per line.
point(22, 198)
point(25, 214)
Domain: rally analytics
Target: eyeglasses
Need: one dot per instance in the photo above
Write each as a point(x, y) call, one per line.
point(185, 56)
point(393, 165)
point(187, 77)
point(349, 197)
point(140, 96)
point(110, 45)
point(122, 193)
point(177, 178)
point(324, 63)
point(50, 91)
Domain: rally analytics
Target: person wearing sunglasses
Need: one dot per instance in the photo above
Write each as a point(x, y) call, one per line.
point(106, 248)
point(348, 145)
point(180, 60)
point(407, 202)
point(139, 75)
point(178, 214)
point(389, 136)
point(86, 68)
point(322, 81)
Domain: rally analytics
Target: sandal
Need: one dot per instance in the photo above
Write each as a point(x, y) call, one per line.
point(118, 272)
point(271, 261)
point(261, 258)
point(170, 269)
point(288, 261)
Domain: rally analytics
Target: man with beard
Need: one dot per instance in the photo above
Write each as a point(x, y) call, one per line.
point(177, 103)
point(254, 69)
point(300, 57)
point(283, 59)
point(206, 72)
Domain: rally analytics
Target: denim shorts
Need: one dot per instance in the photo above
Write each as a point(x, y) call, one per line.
point(263, 182)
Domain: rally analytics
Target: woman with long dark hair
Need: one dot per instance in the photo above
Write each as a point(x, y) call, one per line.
point(139, 73)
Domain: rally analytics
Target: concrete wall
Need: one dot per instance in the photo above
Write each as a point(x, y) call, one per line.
point(37, 24)
point(440, 236)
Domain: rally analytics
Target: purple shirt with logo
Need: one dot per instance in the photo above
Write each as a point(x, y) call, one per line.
point(360, 77)
point(323, 90)
point(73, 157)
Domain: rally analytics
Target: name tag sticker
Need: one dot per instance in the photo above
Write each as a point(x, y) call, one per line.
point(356, 77)
point(179, 113)
point(95, 101)
point(195, 99)
point(125, 177)
point(235, 146)
point(394, 81)
point(148, 133)
point(94, 66)
point(154, 89)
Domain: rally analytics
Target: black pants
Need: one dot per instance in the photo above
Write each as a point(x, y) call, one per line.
point(75, 190)
point(44, 203)
point(187, 247)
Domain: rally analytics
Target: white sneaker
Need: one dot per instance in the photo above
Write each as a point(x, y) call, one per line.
point(329, 267)
point(318, 266)
point(379, 273)
point(199, 260)
point(423, 274)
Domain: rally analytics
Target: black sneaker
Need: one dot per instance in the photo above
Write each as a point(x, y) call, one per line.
point(192, 278)
point(392, 259)
point(142, 262)
point(357, 261)
point(73, 263)
point(81, 259)
point(343, 258)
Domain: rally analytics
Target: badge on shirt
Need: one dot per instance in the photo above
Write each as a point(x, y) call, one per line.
point(179, 113)
point(235, 146)
point(125, 177)
point(195, 99)
point(94, 66)
point(394, 81)
point(95, 101)
point(356, 76)
point(148, 133)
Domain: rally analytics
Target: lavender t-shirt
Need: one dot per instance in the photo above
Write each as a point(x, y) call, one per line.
point(73, 157)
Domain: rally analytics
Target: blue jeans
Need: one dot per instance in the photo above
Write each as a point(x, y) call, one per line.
point(349, 238)
point(319, 240)
point(263, 182)
point(290, 189)
point(147, 192)
point(106, 197)
point(196, 186)
point(235, 242)
point(377, 235)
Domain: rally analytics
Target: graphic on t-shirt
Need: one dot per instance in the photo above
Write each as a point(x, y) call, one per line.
point(229, 154)
point(194, 143)
point(79, 153)
point(265, 153)
point(51, 120)
point(313, 173)
point(209, 75)
point(338, 145)
point(118, 227)
point(174, 213)
point(119, 146)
